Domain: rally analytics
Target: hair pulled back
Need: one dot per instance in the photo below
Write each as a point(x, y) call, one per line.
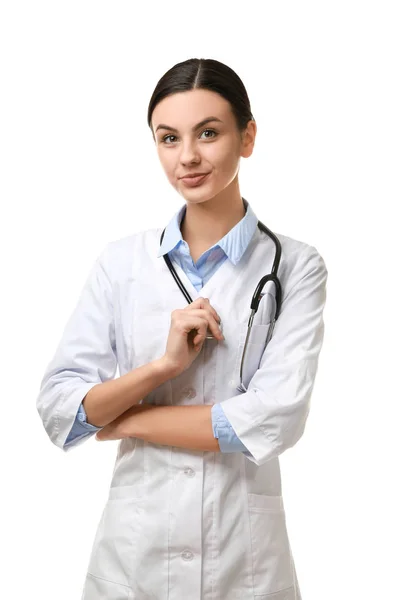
point(207, 74)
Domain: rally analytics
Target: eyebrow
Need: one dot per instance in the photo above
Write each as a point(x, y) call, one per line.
point(203, 122)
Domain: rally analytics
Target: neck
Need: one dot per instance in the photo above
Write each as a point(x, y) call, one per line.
point(205, 223)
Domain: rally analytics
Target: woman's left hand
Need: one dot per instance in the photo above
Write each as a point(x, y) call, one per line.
point(124, 425)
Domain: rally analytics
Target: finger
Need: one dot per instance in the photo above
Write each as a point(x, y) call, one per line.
point(201, 333)
point(188, 325)
point(204, 316)
point(193, 325)
point(205, 303)
point(212, 316)
point(214, 312)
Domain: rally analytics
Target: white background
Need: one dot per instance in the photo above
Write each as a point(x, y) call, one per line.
point(79, 168)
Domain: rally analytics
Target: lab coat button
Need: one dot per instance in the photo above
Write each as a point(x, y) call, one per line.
point(188, 393)
point(189, 472)
point(186, 555)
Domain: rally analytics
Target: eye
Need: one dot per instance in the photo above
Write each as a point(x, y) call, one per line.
point(163, 140)
point(212, 131)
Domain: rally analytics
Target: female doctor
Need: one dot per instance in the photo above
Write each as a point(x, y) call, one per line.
point(216, 371)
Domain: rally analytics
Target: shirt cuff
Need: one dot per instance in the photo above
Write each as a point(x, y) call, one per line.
point(82, 418)
point(224, 432)
point(81, 428)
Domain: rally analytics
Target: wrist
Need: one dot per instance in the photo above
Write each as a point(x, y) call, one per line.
point(165, 368)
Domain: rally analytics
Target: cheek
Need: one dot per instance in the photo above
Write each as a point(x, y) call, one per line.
point(226, 166)
point(223, 157)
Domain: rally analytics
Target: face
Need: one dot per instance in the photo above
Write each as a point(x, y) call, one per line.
point(187, 144)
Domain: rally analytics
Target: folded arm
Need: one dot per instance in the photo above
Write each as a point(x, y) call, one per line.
point(182, 426)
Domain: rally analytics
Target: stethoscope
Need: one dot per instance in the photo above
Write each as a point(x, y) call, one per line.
point(256, 296)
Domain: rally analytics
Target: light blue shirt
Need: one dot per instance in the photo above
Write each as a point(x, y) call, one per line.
point(232, 246)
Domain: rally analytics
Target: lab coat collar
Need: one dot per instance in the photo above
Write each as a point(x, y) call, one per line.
point(234, 243)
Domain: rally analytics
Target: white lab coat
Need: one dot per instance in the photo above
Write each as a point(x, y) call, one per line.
point(184, 524)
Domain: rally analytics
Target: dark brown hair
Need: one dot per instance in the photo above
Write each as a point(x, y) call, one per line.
point(208, 74)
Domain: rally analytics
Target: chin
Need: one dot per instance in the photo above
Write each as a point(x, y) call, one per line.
point(198, 200)
point(196, 197)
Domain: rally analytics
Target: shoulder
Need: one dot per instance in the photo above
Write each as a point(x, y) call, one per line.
point(297, 252)
point(117, 256)
point(292, 247)
point(298, 260)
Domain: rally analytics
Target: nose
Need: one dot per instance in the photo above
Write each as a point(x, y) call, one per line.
point(189, 153)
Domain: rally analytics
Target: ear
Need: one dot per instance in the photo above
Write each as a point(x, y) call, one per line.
point(248, 139)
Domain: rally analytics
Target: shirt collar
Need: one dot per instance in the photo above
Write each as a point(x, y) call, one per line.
point(234, 243)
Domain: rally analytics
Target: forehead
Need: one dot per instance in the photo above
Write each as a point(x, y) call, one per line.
point(182, 110)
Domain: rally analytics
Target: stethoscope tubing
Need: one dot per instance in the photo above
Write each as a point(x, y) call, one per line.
point(255, 301)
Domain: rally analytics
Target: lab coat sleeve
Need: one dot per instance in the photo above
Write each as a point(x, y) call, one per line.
point(270, 416)
point(85, 357)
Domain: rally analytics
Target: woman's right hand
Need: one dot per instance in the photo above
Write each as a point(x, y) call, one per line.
point(188, 331)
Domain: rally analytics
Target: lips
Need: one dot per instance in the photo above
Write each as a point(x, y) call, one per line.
point(192, 175)
point(194, 180)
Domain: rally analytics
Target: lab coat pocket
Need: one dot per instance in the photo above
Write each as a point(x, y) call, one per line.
point(101, 589)
point(118, 528)
point(254, 351)
point(271, 554)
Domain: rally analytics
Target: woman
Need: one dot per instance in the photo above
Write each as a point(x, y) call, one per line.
point(195, 508)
